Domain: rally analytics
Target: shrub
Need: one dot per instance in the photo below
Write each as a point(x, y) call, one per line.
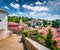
point(26, 33)
point(34, 32)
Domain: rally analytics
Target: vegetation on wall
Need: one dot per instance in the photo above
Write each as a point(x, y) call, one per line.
point(34, 32)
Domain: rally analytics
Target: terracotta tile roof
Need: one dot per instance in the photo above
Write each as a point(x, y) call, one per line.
point(45, 30)
point(30, 28)
point(23, 25)
point(56, 35)
point(16, 26)
point(13, 26)
point(12, 23)
point(58, 41)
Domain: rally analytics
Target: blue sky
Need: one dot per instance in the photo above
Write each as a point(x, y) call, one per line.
point(43, 9)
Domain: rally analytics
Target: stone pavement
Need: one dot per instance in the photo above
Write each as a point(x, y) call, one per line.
point(11, 43)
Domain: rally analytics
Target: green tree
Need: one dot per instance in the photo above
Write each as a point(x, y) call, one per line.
point(27, 23)
point(54, 45)
point(56, 23)
point(13, 19)
point(49, 42)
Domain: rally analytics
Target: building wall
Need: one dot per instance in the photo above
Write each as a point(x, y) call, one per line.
point(3, 20)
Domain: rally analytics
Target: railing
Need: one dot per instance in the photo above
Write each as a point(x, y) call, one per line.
point(33, 37)
point(33, 45)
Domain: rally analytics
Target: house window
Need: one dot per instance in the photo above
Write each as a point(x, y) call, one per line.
point(0, 20)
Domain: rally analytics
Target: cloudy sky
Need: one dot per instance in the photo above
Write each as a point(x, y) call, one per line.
point(43, 9)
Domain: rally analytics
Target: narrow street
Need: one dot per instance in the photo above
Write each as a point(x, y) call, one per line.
point(11, 43)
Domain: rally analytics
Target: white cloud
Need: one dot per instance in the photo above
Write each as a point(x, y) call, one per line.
point(40, 8)
point(32, 13)
point(36, 8)
point(17, 6)
point(39, 11)
point(54, 2)
point(54, 6)
point(21, 13)
point(31, 4)
point(41, 15)
point(38, 14)
point(53, 17)
point(17, 0)
point(40, 3)
point(44, 15)
point(6, 7)
point(13, 14)
point(44, 2)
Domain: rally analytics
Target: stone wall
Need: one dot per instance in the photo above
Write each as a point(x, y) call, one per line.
point(29, 46)
point(4, 34)
point(33, 45)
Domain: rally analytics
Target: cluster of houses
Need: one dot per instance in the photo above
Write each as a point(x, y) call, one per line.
point(55, 33)
point(43, 31)
point(5, 26)
point(34, 23)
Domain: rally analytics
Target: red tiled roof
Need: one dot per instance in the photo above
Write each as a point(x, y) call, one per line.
point(13, 26)
point(16, 26)
point(30, 28)
point(56, 35)
point(58, 41)
point(12, 23)
point(22, 25)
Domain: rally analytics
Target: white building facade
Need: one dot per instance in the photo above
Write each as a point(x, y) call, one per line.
point(3, 19)
point(4, 24)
